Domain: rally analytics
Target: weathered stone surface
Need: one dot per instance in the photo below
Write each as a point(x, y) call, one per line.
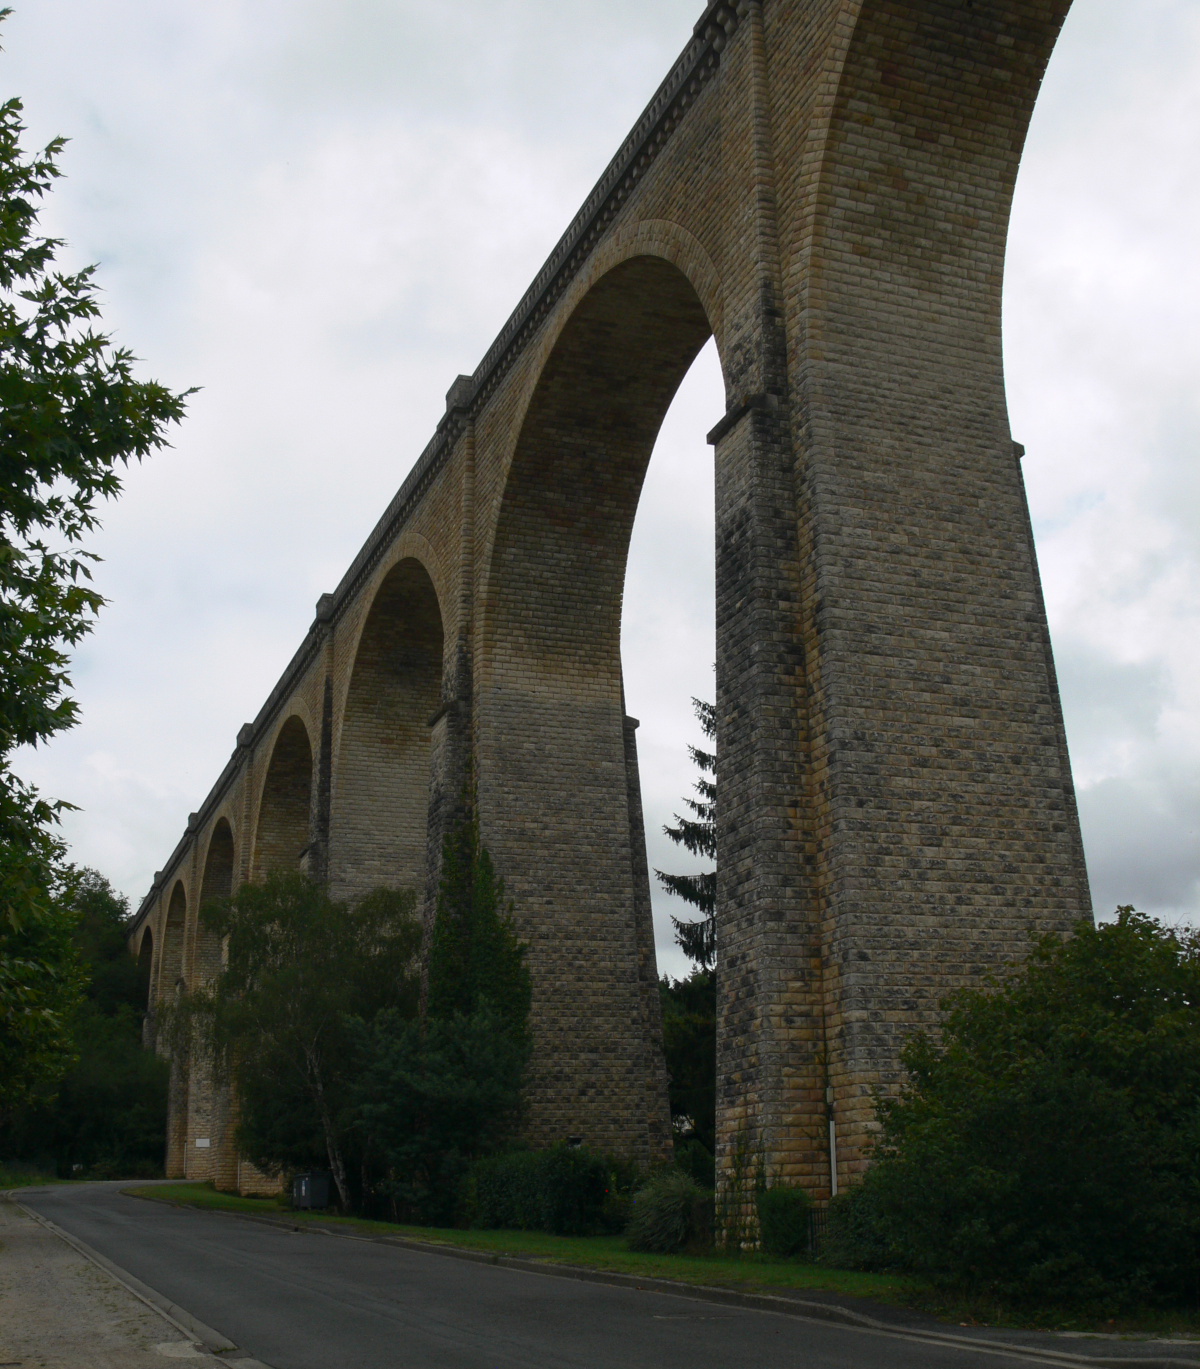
point(825, 186)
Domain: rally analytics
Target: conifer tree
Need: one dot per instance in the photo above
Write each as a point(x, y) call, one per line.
point(475, 956)
point(698, 834)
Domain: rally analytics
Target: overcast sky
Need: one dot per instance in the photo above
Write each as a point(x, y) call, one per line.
point(323, 212)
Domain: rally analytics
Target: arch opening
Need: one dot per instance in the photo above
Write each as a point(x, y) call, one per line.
point(559, 793)
point(217, 884)
point(171, 971)
point(171, 986)
point(209, 1121)
point(379, 816)
point(145, 964)
point(283, 814)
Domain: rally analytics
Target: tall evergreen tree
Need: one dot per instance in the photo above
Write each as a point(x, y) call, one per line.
point(689, 1006)
point(475, 956)
point(698, 834)
point(437, 1095)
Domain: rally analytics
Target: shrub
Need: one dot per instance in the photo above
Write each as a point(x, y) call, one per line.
point(428, 1104)
point(855, 1236)
point(1045, 1151)
point(670, 1214)
point(504, 1192)
point(696, 1160)
point(574, 1186)
point(567, 1191)
point(783, 1220)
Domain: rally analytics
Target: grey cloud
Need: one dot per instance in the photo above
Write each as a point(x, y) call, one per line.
point(1143, 844)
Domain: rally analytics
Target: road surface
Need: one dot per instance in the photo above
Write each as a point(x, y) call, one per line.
point(308, 1301)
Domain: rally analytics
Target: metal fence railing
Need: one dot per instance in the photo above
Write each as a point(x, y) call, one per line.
point(818, 1225)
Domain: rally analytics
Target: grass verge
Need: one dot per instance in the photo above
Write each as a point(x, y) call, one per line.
point(23, 1178)
point(752, 1273)
point(608, 1253)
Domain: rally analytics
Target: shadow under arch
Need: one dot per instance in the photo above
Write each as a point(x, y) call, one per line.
point(559, 796)
point(282, 834)
point(145, 964)
point(209, 1149)
point(170, 973)
point(170, 988)
point(216, 884)
point(379, 816)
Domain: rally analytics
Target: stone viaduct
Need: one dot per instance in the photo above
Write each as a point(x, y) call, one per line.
point(824, 185)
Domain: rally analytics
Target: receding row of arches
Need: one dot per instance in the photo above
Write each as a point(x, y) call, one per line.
point(354, 804)
point(379, 811)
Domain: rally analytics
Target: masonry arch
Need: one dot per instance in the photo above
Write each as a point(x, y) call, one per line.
point(282, 834)
point(170, 988)
point(557, 778)
point(217, 883)
point(379, 814)
point(145, 962)
point(170, 973)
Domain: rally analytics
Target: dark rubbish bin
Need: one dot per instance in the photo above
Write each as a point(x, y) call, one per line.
point(310, 1190)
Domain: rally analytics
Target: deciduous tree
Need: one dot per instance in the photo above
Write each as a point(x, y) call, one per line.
point(71, 415)
point(1046, 1149)
point(298, 965)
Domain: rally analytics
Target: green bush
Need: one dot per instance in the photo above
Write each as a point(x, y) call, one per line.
point(671, 1213)
point(856, 1235)
point(567, 1191)
point(429, 1104)
point(1045, 1152)
point(504, 1192)
point(697, 1161)
point(783, 1220)
point(574, 1186)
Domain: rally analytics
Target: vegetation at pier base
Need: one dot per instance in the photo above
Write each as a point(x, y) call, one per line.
point(672, 1213)
point(107, 1116)
point(316, 1018)
point(566, 1191)
point(1046, 1152)
point(277, 1018)
point(71, 414)
point(436, 1095)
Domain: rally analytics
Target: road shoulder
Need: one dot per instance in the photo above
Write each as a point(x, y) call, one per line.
point(59, 1309)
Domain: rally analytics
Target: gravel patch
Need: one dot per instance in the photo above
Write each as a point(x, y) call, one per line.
point(59, 1311)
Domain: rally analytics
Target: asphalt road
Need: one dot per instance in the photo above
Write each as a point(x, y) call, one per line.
point(305, 1301)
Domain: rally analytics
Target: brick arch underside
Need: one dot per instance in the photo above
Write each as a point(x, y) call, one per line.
point(553, 798)
point(283, 815)
point(145, 961)
point(174, 932)
point(929, 595)
point(380, 811)
point(209, 1115)
point(169, 986)
point(217, 884)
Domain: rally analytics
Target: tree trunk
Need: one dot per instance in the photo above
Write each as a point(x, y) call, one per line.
point(332, 1149)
